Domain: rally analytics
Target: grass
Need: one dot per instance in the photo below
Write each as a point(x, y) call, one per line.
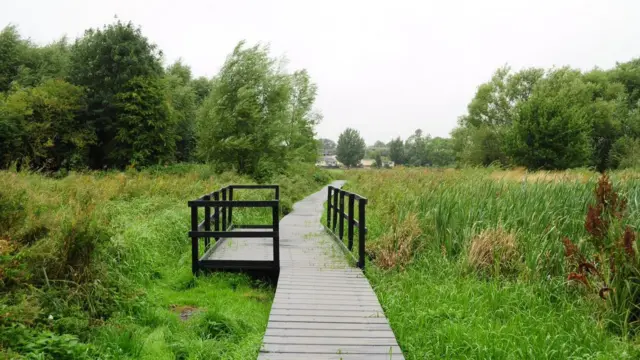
point(98, 266)
point(440, 306)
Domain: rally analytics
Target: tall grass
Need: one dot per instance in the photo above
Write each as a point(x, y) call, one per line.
point(438, 303)
point(97, 265)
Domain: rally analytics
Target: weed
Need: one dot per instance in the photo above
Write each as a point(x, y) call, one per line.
point(396, 248)
point(613, 266)
point(494, 251)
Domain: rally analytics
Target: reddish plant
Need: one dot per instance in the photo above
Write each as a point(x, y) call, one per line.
point(602, 216)
point(608, 207)
point(628, 239)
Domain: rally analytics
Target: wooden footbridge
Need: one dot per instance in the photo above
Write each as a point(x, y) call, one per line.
point(323, 308)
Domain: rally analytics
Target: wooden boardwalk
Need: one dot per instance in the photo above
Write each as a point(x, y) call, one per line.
point(323, 309)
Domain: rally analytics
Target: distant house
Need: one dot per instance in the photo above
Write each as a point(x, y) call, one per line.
point(328, 161)
point(367, 163)
point(370, 163)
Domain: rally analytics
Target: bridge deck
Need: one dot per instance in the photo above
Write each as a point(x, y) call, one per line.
point(323, 309)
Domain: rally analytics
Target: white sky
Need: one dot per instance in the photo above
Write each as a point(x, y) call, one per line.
point(385, 68)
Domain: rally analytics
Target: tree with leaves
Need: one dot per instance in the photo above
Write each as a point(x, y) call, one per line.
point(396, 151)
point(378, 159)
point(182, 105)
point(257, 118)
point(41, 129)
point(12, 55)
point(117, 64)
point(302, 119)
point(553, 127)
point(351, 147)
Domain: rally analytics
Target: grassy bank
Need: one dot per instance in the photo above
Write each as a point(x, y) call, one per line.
point(443, 301)
point(97, 265)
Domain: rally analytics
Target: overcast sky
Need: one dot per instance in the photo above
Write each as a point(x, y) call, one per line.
point(385, 68)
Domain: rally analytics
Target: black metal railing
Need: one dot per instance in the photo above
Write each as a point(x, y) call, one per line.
point(222, 203)
point(336, 217)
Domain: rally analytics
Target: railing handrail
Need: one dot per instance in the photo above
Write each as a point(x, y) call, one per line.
point(222, 202)
point(335, 202)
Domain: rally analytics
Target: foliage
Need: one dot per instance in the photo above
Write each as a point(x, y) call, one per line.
point(553, 129)
point(257, 118)
point(328, 144)
point(396, 150)
point(12, 54)
point(555, 119)
point(299, 128)
point(44, 63)
point(625, 153)
point(112, 63)
point(350, 148)
point(182, 102)
point(41, 126)
point(201, 87)
point(106, 102)
point(146, 132)
point(378, 159)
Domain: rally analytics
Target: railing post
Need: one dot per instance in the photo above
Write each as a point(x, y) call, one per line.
point(277, 192)
point(361, 231)
point(216, 216)
point(335, 209)
point(329, 188)
point(351, 218)
point(195, 253)
point(276, 235)
point(341, 216)
point(224, 210)
point(207, 221)
point(230, 207)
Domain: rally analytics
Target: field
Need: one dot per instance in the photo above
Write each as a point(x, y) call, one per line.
point(97, 265)
point(425, 227)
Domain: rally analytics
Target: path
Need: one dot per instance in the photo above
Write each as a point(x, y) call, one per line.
point(323, 309)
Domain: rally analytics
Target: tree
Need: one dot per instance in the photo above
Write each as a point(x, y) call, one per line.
point(396, 151)
point(40, 127)
point(440, 152)
point(553, 130)
point(146, 132)
point(202, 87)
point(378, 158)
point(111, 63)
point(256, 117)
point(326, 146)
point(379, 144)
point(182, 105)
point(12, 55)
point(608, 109)
point(299, 127)
point(43, 63)
point(416, 149)
point(351, 147)
point(482, 145)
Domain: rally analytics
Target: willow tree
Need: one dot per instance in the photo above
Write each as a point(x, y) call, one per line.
point(256, 117)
